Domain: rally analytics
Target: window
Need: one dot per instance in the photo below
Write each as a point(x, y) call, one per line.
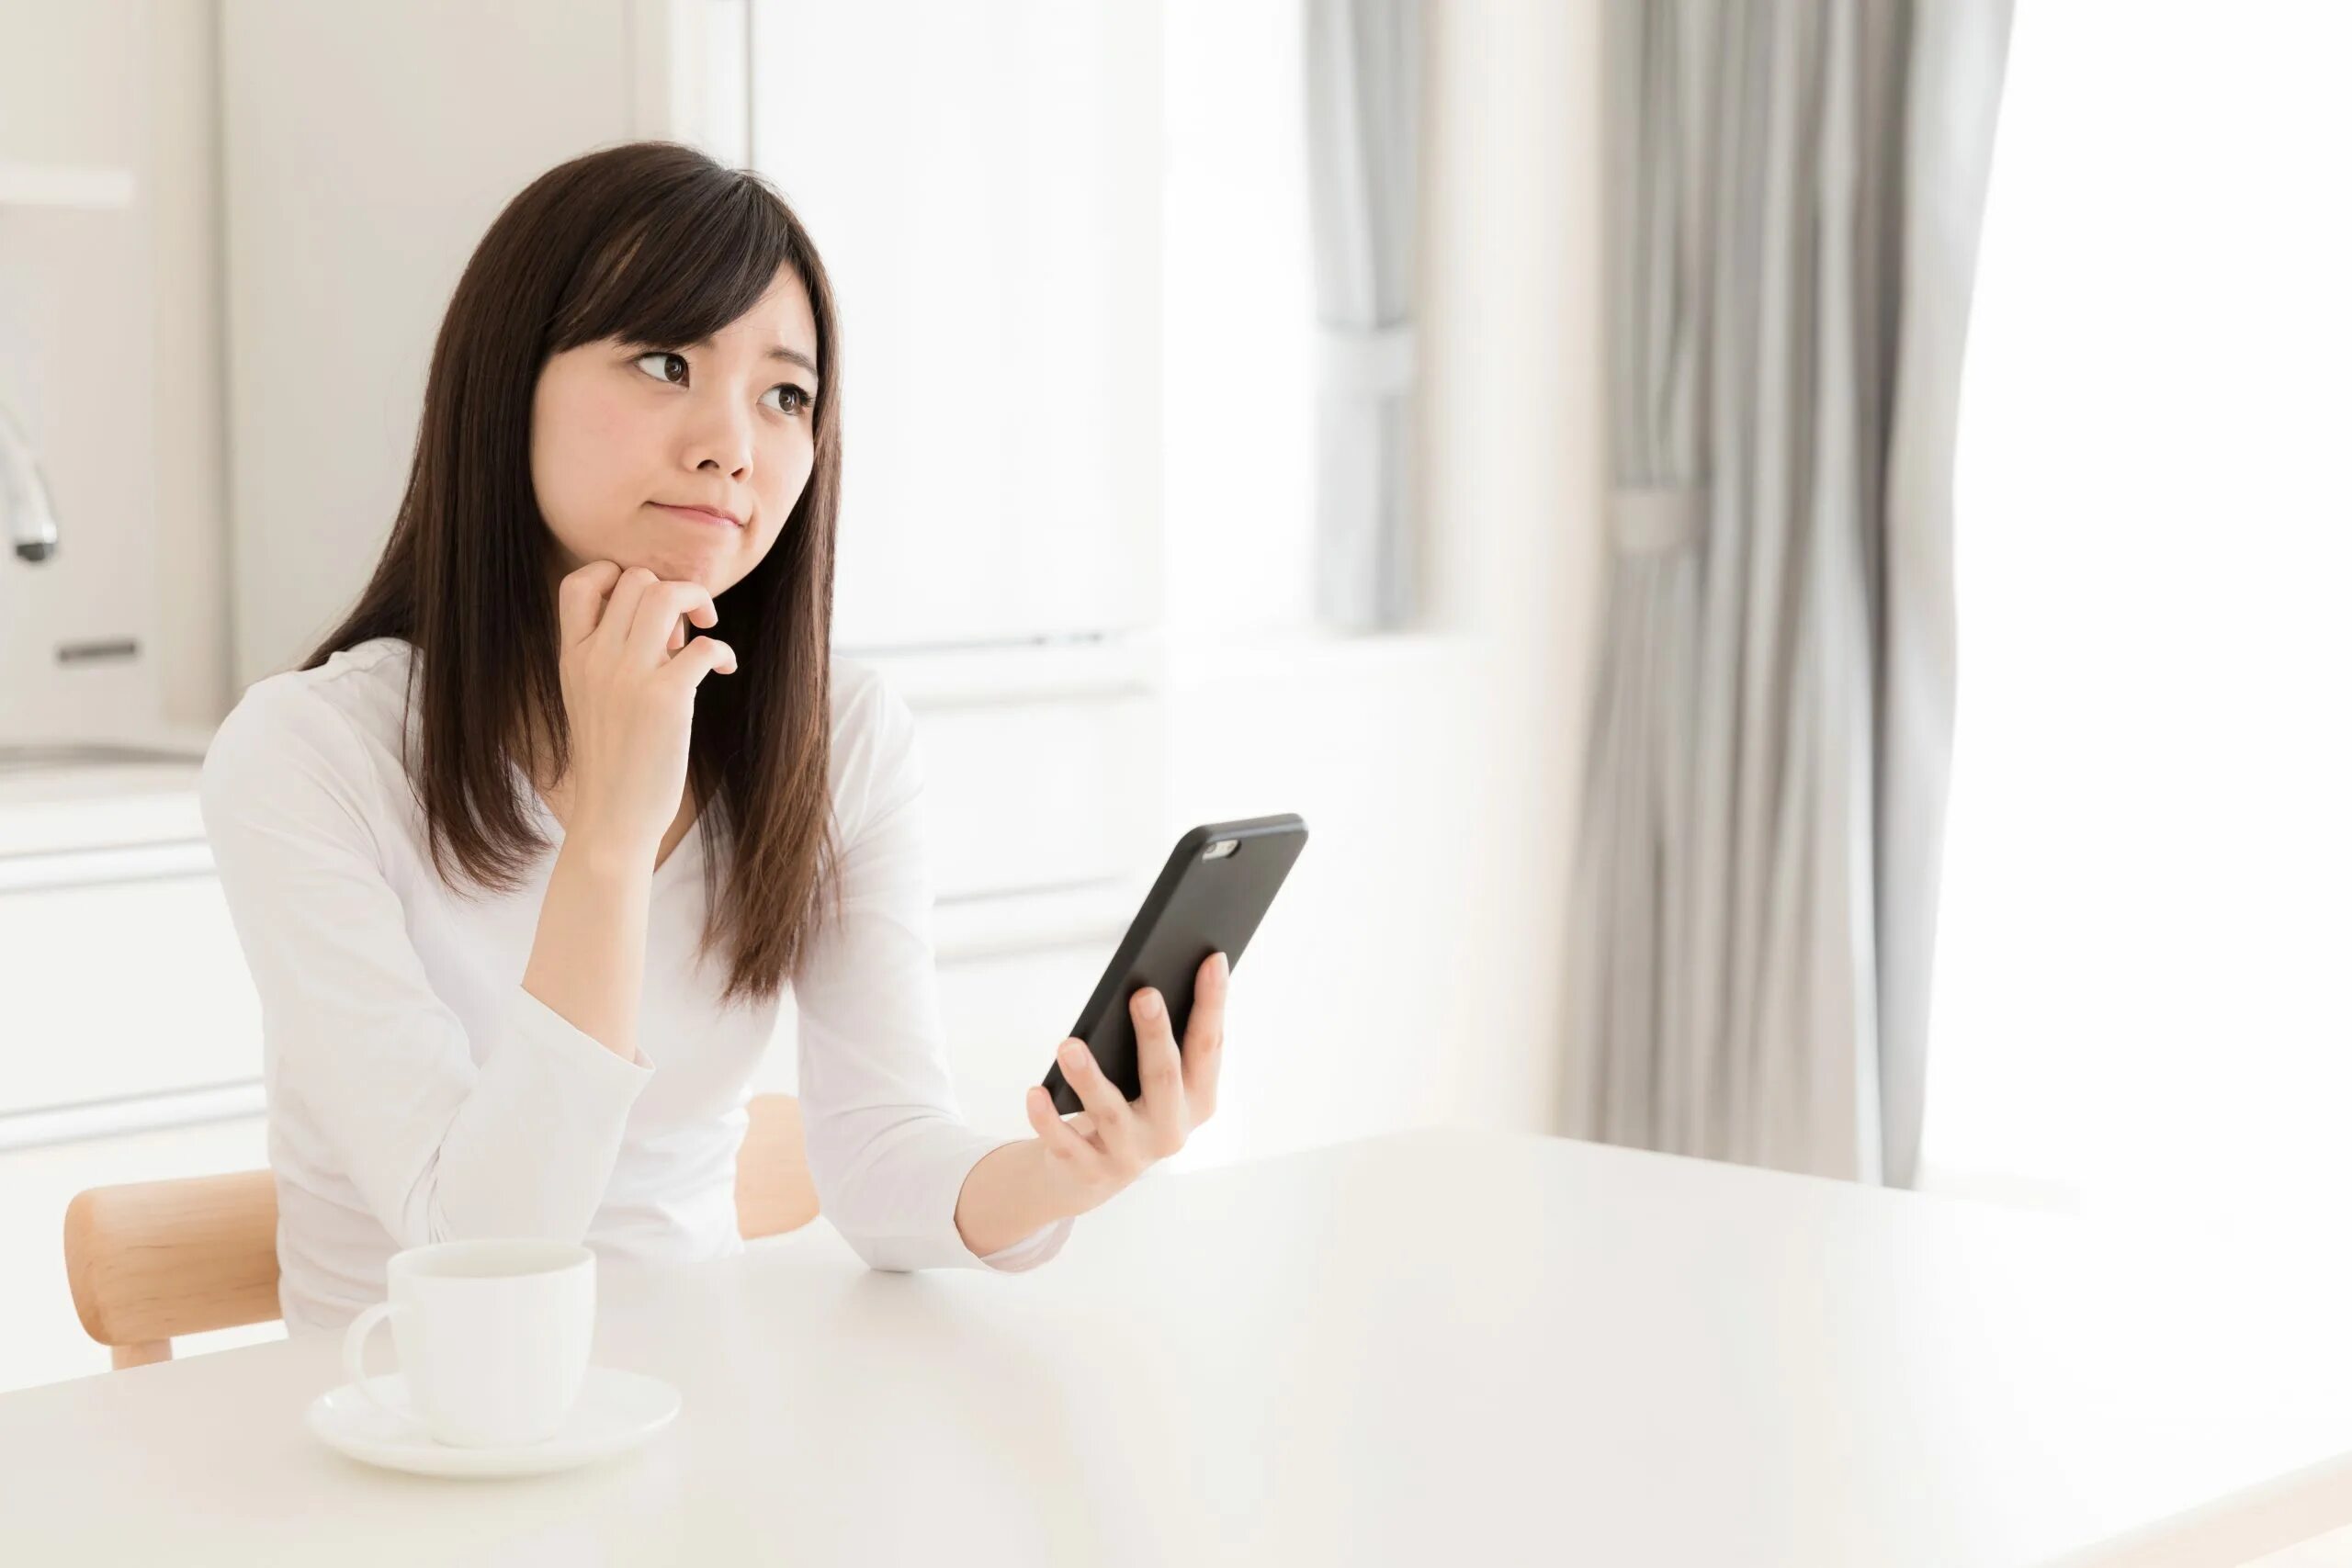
point(1238, 318)
point(2146, 930)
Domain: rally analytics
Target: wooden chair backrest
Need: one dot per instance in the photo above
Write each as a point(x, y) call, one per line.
point(149, 1260)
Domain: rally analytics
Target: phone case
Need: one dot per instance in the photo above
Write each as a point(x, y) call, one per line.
point(1196, 907)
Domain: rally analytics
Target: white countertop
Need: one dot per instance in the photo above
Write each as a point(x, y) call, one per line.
point(1442, 1345)
point(97, 805)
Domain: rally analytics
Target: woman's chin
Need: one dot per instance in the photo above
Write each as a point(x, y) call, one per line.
point(671, 564)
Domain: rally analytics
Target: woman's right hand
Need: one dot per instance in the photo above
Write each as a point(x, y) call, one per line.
point(630, 676)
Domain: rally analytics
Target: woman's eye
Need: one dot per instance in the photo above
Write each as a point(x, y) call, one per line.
point(665, 357)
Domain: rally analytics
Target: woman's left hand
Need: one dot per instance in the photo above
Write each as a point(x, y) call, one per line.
point(1099, 1150)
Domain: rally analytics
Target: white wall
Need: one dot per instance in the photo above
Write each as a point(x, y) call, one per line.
point(1518, 474)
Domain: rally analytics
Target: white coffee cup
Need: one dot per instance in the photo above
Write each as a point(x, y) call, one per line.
point(493, 1336)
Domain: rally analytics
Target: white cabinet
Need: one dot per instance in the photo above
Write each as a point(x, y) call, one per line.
point(124, 978)
point(86, 352)
point(124, 998)
point(1043, 765)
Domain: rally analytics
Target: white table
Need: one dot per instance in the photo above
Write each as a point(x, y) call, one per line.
point(1440, 1346)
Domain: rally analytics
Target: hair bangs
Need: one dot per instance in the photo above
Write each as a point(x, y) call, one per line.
point(699, 257)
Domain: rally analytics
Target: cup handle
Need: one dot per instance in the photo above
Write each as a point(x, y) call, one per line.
point(355, 1358)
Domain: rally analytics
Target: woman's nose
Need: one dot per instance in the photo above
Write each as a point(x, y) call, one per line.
point(721, 438)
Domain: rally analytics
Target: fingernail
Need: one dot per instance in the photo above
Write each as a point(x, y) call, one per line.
point(1068, 1051)
point(1151, 1004)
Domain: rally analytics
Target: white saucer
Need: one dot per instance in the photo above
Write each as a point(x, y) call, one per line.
point(617, 1412)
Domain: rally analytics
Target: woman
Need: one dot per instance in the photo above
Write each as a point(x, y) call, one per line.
point(521, 864)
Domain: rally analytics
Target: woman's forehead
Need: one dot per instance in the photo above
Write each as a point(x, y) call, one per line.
point(783, 318)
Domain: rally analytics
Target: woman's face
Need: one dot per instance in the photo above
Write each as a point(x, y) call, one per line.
point(623, 438)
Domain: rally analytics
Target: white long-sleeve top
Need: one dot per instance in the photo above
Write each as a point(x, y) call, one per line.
point(417, 1093)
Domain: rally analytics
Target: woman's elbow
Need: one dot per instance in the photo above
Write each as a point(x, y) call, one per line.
point(841, 1202)
point(510, 1216)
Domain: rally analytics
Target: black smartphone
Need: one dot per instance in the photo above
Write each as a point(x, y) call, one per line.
point(1219, 881)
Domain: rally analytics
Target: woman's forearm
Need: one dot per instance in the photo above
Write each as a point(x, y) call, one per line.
point(588, 960)
point(1008, 1195)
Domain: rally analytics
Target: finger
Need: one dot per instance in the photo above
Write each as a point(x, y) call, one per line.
point(1113, 1122)
point(1205, 1035)
point(1062, 1141)
point(580, 599)
point(620, 606)
point(1161, 1075)
point(658, 612)
point(698, 659)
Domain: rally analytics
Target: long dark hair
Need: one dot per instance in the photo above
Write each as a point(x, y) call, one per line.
point(654, 242)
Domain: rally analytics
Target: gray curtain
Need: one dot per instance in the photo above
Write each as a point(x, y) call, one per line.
point(1795, 190)
point(1364, 69)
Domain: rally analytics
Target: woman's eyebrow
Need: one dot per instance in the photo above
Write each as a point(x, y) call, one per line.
point(792, 356)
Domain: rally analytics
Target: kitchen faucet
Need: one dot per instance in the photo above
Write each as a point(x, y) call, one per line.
point(24, 497)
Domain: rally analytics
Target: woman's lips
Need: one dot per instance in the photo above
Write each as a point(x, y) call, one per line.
point(697, 514)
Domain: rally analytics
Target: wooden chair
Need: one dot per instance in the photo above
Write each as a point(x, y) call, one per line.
point(153, 1259)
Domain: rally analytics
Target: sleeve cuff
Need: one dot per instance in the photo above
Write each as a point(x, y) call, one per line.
point(565, 1048)
point(532, 1149)
point(931, 1172)
point(1030, 1250)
